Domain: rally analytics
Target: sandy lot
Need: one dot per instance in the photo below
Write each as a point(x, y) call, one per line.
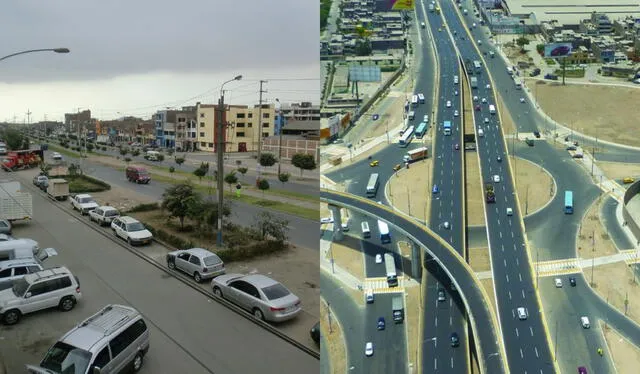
point(619, 170)
point(614, 282)
point(413, 311)
point(348, 255)
point(626, 356)
point(606, 112)
point(334, 339)
point(593, 240)
point(479, 259)
point(473, 190)
point(409, 189)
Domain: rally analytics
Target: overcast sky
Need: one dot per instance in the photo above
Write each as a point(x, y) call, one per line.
point(134, 57)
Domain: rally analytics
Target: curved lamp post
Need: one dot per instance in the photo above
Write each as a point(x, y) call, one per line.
point(56, 50)
point(220, 144)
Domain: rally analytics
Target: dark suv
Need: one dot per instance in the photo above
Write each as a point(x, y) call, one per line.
point(137, 174)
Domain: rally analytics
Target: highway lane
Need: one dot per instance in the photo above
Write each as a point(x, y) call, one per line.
point(442, 319)
point(525, 340)
point(612, 225)
point(189, 333)
point(302, 231)
point(475, 300)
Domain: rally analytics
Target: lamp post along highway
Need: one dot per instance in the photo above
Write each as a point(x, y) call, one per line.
point(220, 144)
point(56, 50)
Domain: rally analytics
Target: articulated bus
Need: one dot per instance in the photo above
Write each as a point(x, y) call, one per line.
point(372, 186)
point(422, 128)
point(568, 202)
point(385, 236)
point(390, 266)
point(406, 137)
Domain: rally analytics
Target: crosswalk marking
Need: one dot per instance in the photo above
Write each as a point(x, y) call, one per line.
point(380, 285)
point(557, 267)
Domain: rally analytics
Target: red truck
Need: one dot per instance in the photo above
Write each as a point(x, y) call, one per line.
point(25, 159)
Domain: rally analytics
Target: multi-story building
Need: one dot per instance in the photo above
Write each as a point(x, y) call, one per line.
point(165, 121)
point(186, 129)
point(243, 129)
point(72, 119)
point(304, 111)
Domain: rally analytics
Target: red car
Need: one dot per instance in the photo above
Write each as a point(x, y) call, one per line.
point(477, 108)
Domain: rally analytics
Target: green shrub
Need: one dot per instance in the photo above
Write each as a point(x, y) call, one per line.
point(168, 238)
point(144, 207)
point(252, 250)
point(86, 184)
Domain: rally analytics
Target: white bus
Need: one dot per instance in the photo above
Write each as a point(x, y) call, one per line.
point(414, 101)
point(421, 98)
point(390, 267)
point(406, 137)
point(372, 185)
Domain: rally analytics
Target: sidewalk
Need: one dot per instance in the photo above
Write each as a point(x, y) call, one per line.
point(336, 271)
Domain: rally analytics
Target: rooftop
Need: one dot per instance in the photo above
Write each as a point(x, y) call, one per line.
point(573, 11)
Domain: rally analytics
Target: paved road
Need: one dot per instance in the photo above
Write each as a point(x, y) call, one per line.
point(208, 338)
point(441, 319)
point(611, 223)
point(465, 281)
point(525, 340)
point(302, 231)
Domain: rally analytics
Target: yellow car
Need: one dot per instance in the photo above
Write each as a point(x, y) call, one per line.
point(374, 163)
point(628, 180)
point(397, 167)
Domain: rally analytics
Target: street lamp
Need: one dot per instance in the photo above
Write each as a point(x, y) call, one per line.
point(56, 50)
point(220, 143)
point(281, 125)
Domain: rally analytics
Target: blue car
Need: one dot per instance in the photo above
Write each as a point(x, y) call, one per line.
point(381, 323)
point(435, 189)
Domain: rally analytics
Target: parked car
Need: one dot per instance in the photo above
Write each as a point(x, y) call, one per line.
point(131, 230)
point(12, 270)
point(265, 298)
point(5, 226)
point(49, 288)
point(104, 215)
point(315, 332)
point(39, 179)
point(84, 203)
point(197, 262)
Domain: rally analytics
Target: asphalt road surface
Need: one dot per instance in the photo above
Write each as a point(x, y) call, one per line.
point(302, 231)
point(189, 333)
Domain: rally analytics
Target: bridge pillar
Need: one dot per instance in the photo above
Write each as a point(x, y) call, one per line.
point(337, 221)
point(416, 262)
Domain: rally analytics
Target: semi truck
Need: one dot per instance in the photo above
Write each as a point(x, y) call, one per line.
point(25, 159)
point(474, 82)
point(416, 155)
point(447, 127)
point(14, 203)
point(489, 193)
point(397, 306)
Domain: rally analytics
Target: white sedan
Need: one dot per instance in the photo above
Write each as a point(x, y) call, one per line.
point(455, 113)
point(496, 178)
point(522, 99)
point(448, 104)
point(378, 258)
point(326, 220)
point(488, 86)
point(486, 120)
point(425, 118)
point(368, 349)
point(484, 100)
point(475, 98)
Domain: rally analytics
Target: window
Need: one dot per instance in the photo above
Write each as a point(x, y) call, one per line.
point(250, 115)
point(266, 124)
point(194, 260)
point(128, 336)
point(210, 145)
point(240, 134)
point(184, 256)
point(64, 282)
point(33, 269)
point(265, 115)
point(39, 288)
point(102, 358)
point(202, 134)
point(240, 124)
point(250, 125)
point(201, 116)
point(201, 124)
point(240, 115)
point(5, 273)
point(265, 134)
point(20, 270)
point(203, 144)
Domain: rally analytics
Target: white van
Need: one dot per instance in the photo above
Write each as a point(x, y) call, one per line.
point(366, 233)
point(492, 109)
point(152, 155)
point(584, 321)
point(18, 248)
point(480, 133)
point(412, 115)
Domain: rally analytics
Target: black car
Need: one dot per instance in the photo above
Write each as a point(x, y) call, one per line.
point(499, 159)
point(572, 281)
point(455, 340)
point(315, 332)
point(536, 134)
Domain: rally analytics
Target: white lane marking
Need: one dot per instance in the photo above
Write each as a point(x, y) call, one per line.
point(523, 293)
point(507, 278)
point(505, 262)
point(521, 354)
point(500, 234)
point(517, 332)
point(531, 330)
point(519, 274)
point(509, 295)
point(537, 355)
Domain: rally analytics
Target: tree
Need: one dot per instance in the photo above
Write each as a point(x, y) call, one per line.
point(283, 177)
point(127, 160)
point(263, 185)
point(180, 200)
point(243, 171)
point(303, 161)
point(540, 48)
point(14, 139)
point(521, 42)
point(135, 152)
point(90, 147)
point(74, 170)
point(231, 179)
point(179, 160)
point(202, 170)
point(123, 151)
point(267, 159)
point(160, 157)
point(172, 170)
point(206, 214)
point(271, 227)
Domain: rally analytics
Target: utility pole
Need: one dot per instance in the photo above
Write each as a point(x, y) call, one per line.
point(526, 201)
point(28, 119)
point(260, 121)
point(281, 125)
point(220, 127)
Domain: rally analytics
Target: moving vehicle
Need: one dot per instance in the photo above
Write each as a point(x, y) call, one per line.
point(39, 179)
point(492, 109)
point(448, 104)
point(406, 137)
point(455, 340)
point(368, 296)
point(626, 180)
point(414, 101)
point(378, 258)
point(522, 99)
point(421, 129)
point(509, 211)
point(456, 113)
point(114, 340)
point(397, 308)
point(104, 215)
point(84, 203)
point(558, 282)
point(416, 154)
point(529, 142)
point(58, 189)
point(366, 233)
point(372, 185)
point(435, 189)
point(368, 349)
point(14, 203)
point(197, 262)
point(152, 155)
point(137, 174)
point(24, 159)
point(265, 298)
point(489, 193)
point(421, 98)
point(412, 115)
point(584, 322)
point(390, 268)
point(496, 178)
point(456, 80)
point(474, 82)
point(56, 156)
point(385, 236)
point(374, 163)
point(480, 132)
point(381, 323)
point(55, 287)
point(568, 202)
point(131, 230)
point(522, 313)
point(315, 332)
point(572, 281)
point(441, 295)
point(446, 127)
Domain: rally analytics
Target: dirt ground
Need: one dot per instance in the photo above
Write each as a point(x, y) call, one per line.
point(606, 112)
point(626, 356)
point(410, 191)
point(412, 320)
point(404, 248)
point(479, 259)
point(348, 255)
point(619, 170)
point(335, 340)
point(591, 227)
point(528, 176)
point(508, 126)
point(615, 283)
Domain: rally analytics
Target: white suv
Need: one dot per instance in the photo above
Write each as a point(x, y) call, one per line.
point(131, 230)
point(49, 288)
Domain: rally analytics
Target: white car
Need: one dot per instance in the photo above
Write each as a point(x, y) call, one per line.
point(473, 25)
point(425, 118)
point(368, 349)
point(455, 93)
point(131, 230)
point(456, 113)
point(326, 220)
point(484, 100)
point(522, 99)
point(448, 104)
point(486, 120)
point(496, 178)
point(488, 86)
point(103, 215)
point(479, 42)
point(56, 156)
point(558, 282)
point(446, 225)
point(509, 211)
point(368, 296)
point(84, 203)
point(378, 258)
point(522, 313)
point(475, 98)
